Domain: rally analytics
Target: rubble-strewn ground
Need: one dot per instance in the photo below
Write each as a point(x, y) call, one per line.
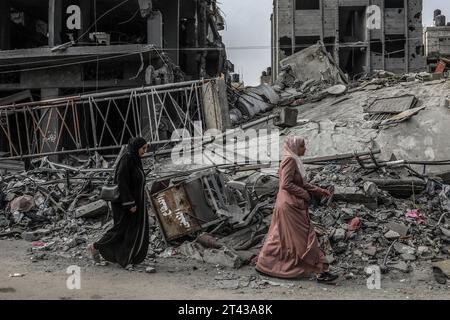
point(180, 278)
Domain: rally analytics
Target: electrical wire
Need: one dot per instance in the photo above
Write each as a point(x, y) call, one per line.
point(131, 19)
point(75, 63)
point(101, 17)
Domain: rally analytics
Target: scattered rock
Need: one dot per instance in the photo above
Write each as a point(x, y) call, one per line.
point(224, 257)
point(408, 257)
point(150, 270)
point(404, 249)
point(402, 266)
point(401, 229)
point(371, 189)
point(339, 235)
point(92, 210)
point(370, 251)
point(392, 235)
point(423, 250)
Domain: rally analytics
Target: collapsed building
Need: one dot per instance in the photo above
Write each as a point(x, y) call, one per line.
point(394, 45)
point(437, 42)
point(55, 54)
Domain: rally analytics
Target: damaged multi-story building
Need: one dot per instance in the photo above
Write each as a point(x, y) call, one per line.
point(361, 35)
point(437, 40)
point(78, 49)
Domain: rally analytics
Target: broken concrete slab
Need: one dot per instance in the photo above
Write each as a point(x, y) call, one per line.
point(246, 255)
point(423, 250)
point(404, 249)
point(444, 266)
point(352, 195)
point(445, 232)
point(192, 250)
point(92, 210)
point(314, 63)
point(402, 266)
point(339, 234)
point(370, 251)
point(225, 257)
point(371, 189)
point(401, 229)
point(408, 257)
point(392, 235)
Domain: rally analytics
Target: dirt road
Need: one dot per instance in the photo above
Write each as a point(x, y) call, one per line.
point(184, 279)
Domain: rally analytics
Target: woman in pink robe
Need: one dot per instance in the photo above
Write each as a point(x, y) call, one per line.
point(291, 249)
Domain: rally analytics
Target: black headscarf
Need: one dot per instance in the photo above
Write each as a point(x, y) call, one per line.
point(133, 149)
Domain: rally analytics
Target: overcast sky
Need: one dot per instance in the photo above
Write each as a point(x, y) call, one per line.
point(248, 25)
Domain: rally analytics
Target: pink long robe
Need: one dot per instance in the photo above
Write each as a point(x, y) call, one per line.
point(291, 249)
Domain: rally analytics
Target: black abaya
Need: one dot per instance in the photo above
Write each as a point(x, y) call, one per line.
point(127, 241)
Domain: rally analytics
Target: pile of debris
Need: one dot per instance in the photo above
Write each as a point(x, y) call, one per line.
point(55, 206)
point(391, 218)
point(382, 218)
point(309, 75)
point(386, 218)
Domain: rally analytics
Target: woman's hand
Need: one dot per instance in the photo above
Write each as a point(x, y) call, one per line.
point(134, 209)
point(326, 193)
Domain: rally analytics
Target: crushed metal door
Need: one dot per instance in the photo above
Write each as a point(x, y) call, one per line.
point(174, 212)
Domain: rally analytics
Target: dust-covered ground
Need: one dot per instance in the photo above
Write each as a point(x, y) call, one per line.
point(184, 279)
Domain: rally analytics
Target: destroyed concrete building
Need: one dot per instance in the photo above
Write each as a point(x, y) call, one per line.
point(53, 48)
point(437, 40)
point(379, 144)
point(361, 38)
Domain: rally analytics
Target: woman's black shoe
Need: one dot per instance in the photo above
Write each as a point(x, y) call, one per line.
point(326, 277)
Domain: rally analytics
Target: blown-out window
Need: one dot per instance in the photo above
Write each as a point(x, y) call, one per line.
point(307, 5)
point(394, 4)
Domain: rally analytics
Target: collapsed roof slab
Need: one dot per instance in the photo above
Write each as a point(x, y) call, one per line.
point(341, 128)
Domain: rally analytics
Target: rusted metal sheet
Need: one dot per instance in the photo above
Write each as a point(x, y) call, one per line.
point(174, 212)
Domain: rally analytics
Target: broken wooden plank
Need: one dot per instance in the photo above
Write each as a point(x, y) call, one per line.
point(402, 116)
point(392, 105)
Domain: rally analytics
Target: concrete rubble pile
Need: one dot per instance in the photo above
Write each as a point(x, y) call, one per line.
point(386, 217)
point(55, 207)
point(397, 227)
point(309, 75)
point(370, 223)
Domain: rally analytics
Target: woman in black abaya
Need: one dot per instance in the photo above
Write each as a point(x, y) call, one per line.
point(126, 243)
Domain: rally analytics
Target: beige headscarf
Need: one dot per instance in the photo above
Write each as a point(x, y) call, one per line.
point(290, 149)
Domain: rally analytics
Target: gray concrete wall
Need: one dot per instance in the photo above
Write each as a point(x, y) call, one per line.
point(406, 22)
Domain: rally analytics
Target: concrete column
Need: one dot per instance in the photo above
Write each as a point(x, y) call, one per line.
point(215, 105)
point(155, 29)
point(52, 121)
point(55, 14)
point(5, 22)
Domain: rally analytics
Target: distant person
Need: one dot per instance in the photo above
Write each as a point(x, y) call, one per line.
point(292, 249)
point(126, 243)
